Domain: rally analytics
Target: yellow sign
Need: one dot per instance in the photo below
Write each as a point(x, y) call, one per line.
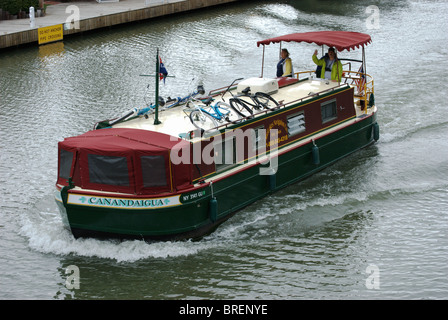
point(273, 138)
point(50, 34)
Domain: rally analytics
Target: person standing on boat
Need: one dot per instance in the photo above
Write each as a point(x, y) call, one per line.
point(284, 66)
point(331, 66)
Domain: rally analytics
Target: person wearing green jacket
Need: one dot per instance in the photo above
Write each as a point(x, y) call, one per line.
point(331, 66)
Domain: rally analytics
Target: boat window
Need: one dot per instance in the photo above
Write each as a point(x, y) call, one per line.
point(65, 165)
point(225, 154)
point(329, 110)
point(153, 171)
point(259, 138)
point(108, 170)
point(296, 123)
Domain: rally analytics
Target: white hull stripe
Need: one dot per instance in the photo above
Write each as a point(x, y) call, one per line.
point(123, 203)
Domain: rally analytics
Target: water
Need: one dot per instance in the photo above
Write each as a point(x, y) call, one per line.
point(384, 207)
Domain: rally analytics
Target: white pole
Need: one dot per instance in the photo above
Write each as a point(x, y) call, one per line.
point(32, 22)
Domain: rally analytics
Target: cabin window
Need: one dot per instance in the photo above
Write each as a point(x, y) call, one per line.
point(296, 123)
point(225, 154)
point(258, 138)
point(329, 111)
point(65, 164)
point(109, 170)
point(153, 171)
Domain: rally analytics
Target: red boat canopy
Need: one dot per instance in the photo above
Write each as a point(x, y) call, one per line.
point(341, 40)
point(123, 160)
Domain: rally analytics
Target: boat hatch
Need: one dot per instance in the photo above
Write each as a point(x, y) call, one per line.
point(123, 160)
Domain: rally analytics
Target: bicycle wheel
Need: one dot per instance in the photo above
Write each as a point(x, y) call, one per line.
point(228, 113)
point(241, 107)
point(202, 120)
point(265, 100)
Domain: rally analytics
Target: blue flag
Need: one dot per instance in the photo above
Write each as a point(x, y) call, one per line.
point(163, 73)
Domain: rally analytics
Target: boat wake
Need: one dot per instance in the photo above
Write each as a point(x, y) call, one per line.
point(43, 228)
point(268, 218)
point(394, 131)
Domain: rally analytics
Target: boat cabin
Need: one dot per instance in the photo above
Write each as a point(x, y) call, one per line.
point(120, 160)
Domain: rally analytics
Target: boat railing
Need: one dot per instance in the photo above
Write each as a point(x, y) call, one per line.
point(365, 90)
point(364, 85)
point(283, 104)
point(220, 91)
point(314, 94)
point(362, 82)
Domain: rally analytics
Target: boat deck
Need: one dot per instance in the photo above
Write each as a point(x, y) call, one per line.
point(175, 121)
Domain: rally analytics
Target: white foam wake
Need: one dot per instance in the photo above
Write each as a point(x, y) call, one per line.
point(46, 234)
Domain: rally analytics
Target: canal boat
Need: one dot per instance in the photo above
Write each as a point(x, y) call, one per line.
point(155, 173)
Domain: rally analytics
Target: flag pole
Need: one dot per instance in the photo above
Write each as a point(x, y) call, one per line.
point(156, 118)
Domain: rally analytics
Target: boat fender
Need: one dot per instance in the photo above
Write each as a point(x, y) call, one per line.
point(213, 209)
point(213, 205)
point(65, 189)
point(64, 194)
point(315, 153)
point(376, 131)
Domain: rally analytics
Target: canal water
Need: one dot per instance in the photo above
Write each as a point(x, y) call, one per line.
point(372, 226)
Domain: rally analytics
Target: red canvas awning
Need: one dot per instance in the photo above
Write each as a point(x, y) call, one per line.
point(341, 40)
point(123, 160)
point(122, 140)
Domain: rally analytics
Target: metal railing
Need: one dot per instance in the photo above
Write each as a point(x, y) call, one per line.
point(362, 82)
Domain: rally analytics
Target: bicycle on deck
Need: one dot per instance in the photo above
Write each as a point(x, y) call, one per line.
point(245, 104)
point(170, 103)
point(205, 115)
point(255, 102)
point(181, 100)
